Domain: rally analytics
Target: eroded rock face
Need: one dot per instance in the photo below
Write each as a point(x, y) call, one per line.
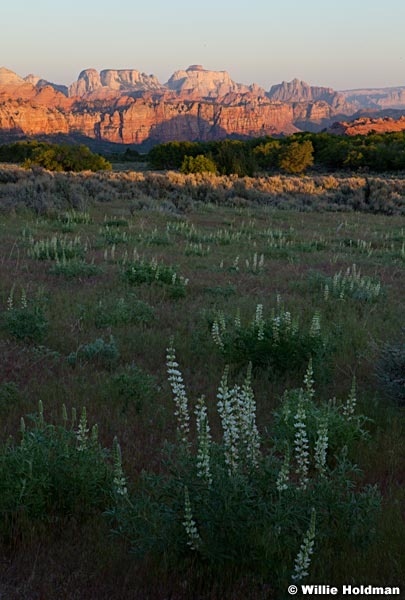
point(95, 84)
point(297, 91)
point(128, 79)
point(129, 107)
point(199, 82)
point(88, 81)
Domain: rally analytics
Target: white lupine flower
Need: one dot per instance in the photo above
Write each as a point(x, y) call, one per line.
point(221, 321)
point(321, 445)
point(194, 540)
point(303, 559)
point(216, 335)
point(259, 314)
point(227, 399)
point(283, 478)
point(237, 321)
point(249, 434)
point(287, 321)
point(230, 425)
point(276, 328)
point(24, 302)
point(350, 406)
point(309, 381)
point(255, 261)
point(94, 434)
point(119, 480)
point(179, 395)
point(82, 432)
point(315, 328)
point(204, 441)
point(259, 322)
point(301, 444)
point(10, 299)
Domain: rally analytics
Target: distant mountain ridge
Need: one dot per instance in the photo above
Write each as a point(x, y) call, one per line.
point(128, 106)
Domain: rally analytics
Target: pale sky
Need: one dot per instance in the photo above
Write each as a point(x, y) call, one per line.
point(342, 44)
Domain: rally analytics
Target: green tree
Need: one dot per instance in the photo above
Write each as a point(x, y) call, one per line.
point(235, 158)
point(198, 164)
point(267, 154)
point(296, 157)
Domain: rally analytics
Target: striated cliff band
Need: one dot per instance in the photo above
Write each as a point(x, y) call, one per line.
point(130, 107)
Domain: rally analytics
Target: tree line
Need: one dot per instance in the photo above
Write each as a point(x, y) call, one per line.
point(294, 154)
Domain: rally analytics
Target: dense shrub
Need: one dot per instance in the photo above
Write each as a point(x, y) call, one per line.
point(198, 164)
point(55, 472)
point(54, 157)
point(25, 320)
point(98, 352)
point(130, 387)
point(125, 311)
point(140, 272)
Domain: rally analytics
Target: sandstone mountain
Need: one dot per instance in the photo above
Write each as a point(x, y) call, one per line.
point(299, 91)
point(121, 80)
point(199, 82)
point(129, 107)
point(392, 97)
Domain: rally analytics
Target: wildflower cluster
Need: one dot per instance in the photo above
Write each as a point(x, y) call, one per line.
point(279, 342)
point(350, 284)
point(212, 490)
point(140, 272)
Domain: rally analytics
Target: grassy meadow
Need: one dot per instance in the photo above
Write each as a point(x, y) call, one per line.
point(298, 277)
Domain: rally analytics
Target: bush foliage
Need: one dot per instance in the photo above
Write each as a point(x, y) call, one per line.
point(54, 157)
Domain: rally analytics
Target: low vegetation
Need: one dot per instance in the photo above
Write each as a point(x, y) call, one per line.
point(236, 343)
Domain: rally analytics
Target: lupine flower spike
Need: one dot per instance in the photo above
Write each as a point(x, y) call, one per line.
point(204, 441)
point(303, 560)
point(193, 537)
point(179, 395)
point(301, 444)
